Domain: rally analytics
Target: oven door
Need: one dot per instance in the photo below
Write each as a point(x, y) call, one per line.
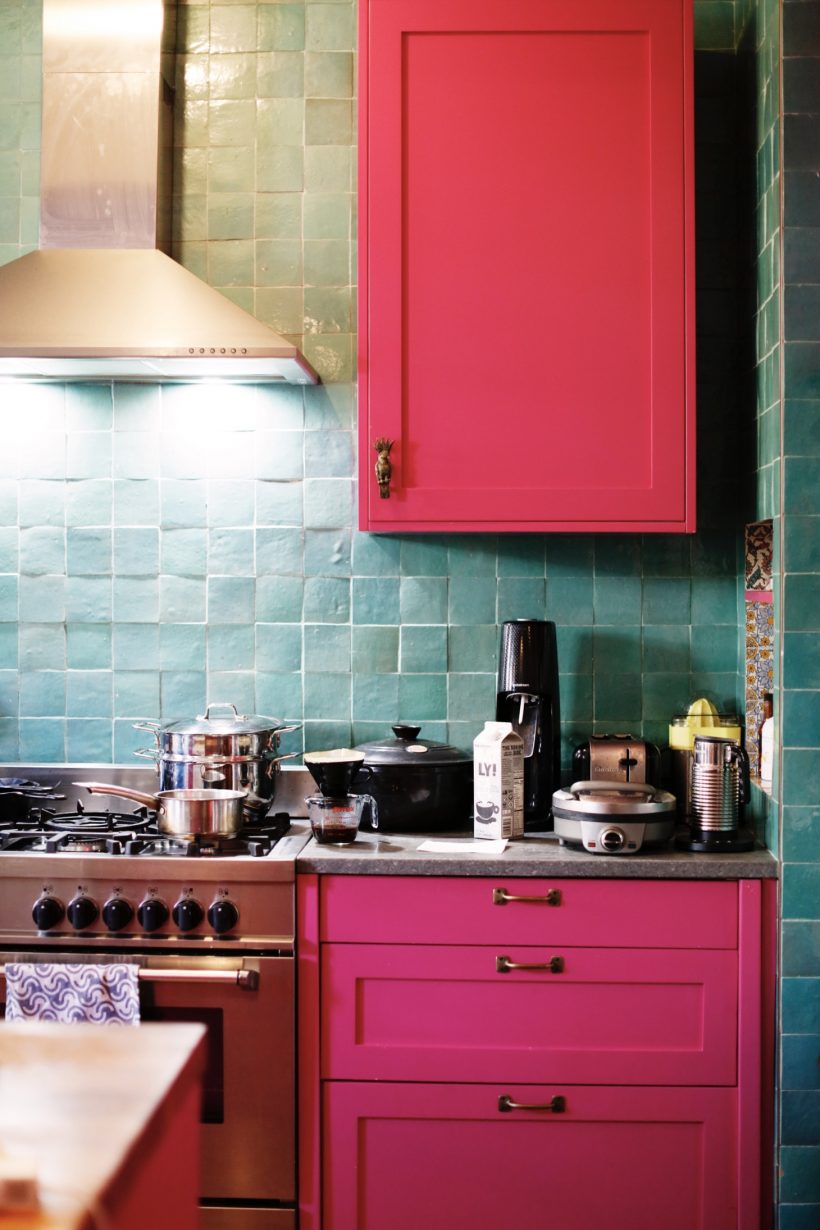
point(248, 1100)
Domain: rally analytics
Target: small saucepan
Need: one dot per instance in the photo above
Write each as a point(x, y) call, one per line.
point(186, 813)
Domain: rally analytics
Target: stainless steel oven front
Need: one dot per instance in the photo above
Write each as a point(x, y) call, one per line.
point(213, 936)
point(248, 1097)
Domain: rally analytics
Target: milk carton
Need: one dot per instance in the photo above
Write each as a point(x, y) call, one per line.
point(498, 782)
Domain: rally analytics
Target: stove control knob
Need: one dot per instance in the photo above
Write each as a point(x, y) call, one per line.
point(82, 913)
point(117, 913)
point(47, 913)
point(612, 839)
point(152, 913)
point(188, 913)
point(223, 916)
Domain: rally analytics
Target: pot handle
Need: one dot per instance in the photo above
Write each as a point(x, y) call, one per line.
point(274, 760)
point(149, 753)
point(122, 792)
point(218, 704)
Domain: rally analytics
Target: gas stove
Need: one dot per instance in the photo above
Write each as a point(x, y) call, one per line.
point(100, 878)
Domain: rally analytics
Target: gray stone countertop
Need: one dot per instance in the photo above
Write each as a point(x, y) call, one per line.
point(536, 855)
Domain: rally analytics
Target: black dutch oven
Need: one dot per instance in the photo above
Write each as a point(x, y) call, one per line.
point(420, 786)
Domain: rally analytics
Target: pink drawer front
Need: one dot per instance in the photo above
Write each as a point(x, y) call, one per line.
point(604, 913)
point(619, 1016)
point(401, 1157)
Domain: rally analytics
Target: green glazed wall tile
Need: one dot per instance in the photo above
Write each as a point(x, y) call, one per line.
point(326, 647)
point(616, 599)
point(798, 1066)
point(375, 555)
point(423, 600)
point(423, 649)
point(521, 598)
point(279, 694)
point(230, 648)
point(327, 599)
point(182, 646)
point(800, 718)
point(474, 555)
point(375, 600)
point(135, 643)
point(472, 600)
point(801, 830)
point(615, 649)
point(569, 598)
point(800, 1174)
point(281, 27)
point(280, 74)
point(184, 692)
point(328, 695)
point(375, 697)
point(666, 648)
point(472, 648)
point(802, 602)
point(667, 601)
point(422, 697)
point(617, 698)
point(375, 650)
point(801, 943)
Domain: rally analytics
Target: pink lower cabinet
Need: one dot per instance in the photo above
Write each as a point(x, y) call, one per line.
point(446, 1157)
point(581, 1054)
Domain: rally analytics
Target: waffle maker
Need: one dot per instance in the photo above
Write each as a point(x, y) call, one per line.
point(613, 817)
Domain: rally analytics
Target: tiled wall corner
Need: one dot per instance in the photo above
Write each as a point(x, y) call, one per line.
point(800, 569)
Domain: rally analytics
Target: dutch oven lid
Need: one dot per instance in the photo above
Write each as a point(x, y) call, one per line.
point(233, 723)
point(408, 749)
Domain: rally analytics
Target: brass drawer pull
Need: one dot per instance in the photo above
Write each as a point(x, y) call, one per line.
point(556, 1105)
point(503, 965)
point(501, 897)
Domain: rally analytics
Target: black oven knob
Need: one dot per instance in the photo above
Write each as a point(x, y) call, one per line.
point(117, 913)
point(188, 913)
point(152, 913)
point(223, 916)
point(47, 913)
point(82, 913)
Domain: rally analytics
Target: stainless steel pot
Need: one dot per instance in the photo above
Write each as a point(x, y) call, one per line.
point(185, 813)
point(233, 751)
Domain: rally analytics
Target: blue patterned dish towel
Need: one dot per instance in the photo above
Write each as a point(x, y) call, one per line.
point(100, 994)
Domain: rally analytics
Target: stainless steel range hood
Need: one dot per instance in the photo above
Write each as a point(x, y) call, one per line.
point(99, 300)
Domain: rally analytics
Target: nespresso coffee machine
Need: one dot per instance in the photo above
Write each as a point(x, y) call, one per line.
point(527, 697)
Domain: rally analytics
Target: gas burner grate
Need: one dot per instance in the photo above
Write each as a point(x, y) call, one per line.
point(256, 840)
point(46, 820)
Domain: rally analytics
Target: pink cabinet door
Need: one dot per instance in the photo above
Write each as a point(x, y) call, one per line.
point(526, 309)
point(608, 1016)
point(437, 1157)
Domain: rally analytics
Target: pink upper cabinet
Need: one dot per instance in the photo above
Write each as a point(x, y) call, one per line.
point(526, 333)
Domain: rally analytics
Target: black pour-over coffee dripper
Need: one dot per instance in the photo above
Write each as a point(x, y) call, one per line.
point(334, 771)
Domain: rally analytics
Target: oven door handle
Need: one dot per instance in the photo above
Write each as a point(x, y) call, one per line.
point(246, 979)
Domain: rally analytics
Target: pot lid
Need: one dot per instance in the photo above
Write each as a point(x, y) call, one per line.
point(408, 749)
point(607, 799)
point(228, 724)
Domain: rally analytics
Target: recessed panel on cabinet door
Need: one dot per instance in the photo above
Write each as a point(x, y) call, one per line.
point(441, 1157)
point(604, 1016)
point(523, 322)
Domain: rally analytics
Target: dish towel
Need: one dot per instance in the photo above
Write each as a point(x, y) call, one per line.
point(100, 994)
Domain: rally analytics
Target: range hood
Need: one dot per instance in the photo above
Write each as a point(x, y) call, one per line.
point(100, 299)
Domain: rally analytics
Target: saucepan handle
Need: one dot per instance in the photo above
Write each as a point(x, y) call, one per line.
point(123, 792)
